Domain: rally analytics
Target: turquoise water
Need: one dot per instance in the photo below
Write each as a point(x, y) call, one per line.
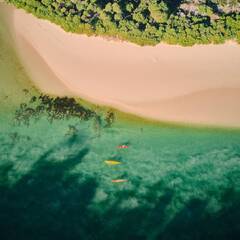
point(182, 182)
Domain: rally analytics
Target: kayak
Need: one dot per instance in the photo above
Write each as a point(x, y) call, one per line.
point(119, 180)
point(122, 146)
point(112, 162)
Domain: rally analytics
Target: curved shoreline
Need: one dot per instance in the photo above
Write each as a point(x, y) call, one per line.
point(163, 82)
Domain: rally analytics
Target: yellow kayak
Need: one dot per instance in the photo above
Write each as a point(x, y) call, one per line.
point(112, 162)
point(119, 180)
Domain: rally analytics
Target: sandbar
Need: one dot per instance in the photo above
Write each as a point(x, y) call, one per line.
point(195, 85)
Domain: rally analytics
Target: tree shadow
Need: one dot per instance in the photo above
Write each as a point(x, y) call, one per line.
point(50, 202)
point(140, 222)
point(173, 5)
point(194, 221)
point(39, 205)
point(214, 7)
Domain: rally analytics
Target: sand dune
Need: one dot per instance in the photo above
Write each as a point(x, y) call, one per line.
point(199, 84)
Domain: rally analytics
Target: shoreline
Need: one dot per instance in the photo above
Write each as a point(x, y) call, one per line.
point(160, 83)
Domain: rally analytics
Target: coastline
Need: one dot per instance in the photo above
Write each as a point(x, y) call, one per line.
point(160, 83)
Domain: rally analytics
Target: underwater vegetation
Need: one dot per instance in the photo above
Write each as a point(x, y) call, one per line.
point(59, 108)
point(182, 183)
point(51, 201)
point(55, 184)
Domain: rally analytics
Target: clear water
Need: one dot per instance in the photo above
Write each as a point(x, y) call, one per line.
point(182, 182)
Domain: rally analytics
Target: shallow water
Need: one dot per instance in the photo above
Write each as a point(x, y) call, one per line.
point(182, 183)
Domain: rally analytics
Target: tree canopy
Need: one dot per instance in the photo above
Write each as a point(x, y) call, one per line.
point(145, 22)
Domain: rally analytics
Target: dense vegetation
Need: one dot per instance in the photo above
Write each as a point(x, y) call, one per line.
point(184, 22)
point(56, 108)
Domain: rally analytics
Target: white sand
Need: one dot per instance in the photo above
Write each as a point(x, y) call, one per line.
point(199, 84)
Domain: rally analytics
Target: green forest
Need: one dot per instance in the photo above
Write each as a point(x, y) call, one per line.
point(144, 22)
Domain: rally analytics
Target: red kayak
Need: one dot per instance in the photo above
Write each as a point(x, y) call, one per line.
point(122, 146)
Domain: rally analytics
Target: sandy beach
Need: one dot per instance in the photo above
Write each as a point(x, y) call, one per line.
point(199, 84)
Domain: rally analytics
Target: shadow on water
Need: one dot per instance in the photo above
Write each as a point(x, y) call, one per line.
point(194, 222)
point(49, 202)
point(39, 204)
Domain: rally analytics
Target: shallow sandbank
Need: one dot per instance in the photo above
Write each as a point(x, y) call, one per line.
point(199, 84)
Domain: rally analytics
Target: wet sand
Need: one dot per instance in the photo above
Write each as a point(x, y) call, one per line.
point(199, 84)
